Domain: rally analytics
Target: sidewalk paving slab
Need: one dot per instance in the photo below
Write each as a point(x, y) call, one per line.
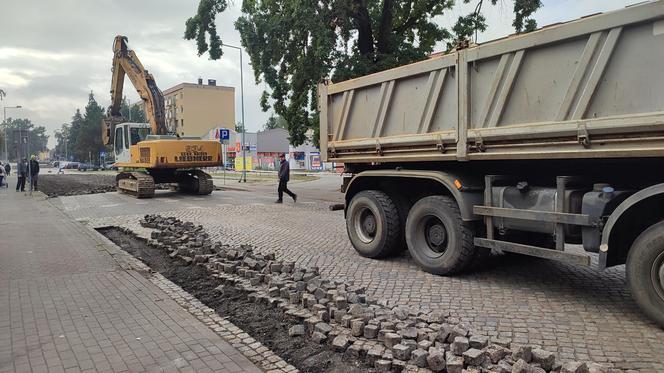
point(67, 305)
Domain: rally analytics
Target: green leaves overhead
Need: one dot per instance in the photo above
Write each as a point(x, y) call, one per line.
point(523, 10)
point(467, 26)
point(294, 44)
point(201, 27)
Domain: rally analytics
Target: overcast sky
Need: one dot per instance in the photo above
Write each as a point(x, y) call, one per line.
point(54, 52)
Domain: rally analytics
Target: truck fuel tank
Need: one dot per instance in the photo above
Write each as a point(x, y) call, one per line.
point(535, 198)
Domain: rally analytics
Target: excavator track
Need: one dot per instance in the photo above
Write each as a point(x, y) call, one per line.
point(138, 184)
point(194, 182)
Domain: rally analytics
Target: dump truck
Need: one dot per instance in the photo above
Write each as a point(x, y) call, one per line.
point(548, 144)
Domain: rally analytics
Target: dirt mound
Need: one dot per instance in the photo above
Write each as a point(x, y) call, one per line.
point(75, 184)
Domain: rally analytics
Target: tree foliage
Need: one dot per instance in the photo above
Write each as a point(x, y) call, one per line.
point(61, 142)
point(469, 25)
point(202, 23)
point(239, 127)
point(135, 114)
point(275, 122)
point(37, 138)
point(82, 135)
point(293, 44)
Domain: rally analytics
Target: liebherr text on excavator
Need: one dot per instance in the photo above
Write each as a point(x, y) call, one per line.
point(146, 153)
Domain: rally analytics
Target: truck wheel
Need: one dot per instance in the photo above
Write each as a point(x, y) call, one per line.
point(438, 239)
point(373, 225)
point(645, 272)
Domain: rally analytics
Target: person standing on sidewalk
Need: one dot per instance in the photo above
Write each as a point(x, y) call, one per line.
point(2, 175)
point(284, 176)
point(8, 168)
point(22, 173)
point(34, 173)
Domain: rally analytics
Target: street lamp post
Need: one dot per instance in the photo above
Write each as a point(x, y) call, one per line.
point(244, 129)
point(4, 122)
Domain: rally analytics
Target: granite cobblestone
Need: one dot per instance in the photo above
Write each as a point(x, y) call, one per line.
point(579, 313)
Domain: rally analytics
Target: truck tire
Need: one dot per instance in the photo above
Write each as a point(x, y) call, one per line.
point(645, 272)
point(403, 206)
point(372, 223)
point(438, 239)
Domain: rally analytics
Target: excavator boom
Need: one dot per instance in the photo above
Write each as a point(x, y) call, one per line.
point(125, 62)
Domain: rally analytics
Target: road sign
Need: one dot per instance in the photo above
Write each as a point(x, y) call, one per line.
point(224, 134)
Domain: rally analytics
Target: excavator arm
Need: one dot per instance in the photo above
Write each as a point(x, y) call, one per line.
point(125, 62)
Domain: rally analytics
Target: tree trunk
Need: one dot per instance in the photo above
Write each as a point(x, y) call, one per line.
point(385, 27)
point(364, 32)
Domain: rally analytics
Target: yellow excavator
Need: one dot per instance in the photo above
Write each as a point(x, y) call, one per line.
point(146, 154)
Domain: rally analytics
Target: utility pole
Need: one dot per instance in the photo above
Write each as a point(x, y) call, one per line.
point(66, 141)
point(244, 128)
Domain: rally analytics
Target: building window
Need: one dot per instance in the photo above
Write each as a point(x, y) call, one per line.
point(181, 95)
point(181, 109)
point(181, 122)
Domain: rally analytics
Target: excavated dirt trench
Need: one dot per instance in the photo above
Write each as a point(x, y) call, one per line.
point(75, 184)
point(267, 325)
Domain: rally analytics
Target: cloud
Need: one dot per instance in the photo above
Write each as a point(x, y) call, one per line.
point(53, 53)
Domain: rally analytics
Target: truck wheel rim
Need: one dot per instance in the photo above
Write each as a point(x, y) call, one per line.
point(365, 225)
point(435, 234)
point(658, 275)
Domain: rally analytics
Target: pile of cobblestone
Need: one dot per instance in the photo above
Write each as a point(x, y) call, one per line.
point(337, 312)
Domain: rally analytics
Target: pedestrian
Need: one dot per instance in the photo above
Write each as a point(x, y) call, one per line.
point(284, 176)
point(8, 169)
point(2, 175)
point(22, 173)
point(34, 173)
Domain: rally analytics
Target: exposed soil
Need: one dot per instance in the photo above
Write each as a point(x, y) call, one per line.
point(267, 325)
point(75, 184)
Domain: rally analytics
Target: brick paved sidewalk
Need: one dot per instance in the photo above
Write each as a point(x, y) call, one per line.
point(66, 305)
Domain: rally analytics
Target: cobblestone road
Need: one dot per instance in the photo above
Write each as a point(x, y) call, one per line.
point(581, 313)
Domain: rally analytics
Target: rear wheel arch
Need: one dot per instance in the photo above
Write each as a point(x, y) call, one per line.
point(414, 185)
point(632, 217)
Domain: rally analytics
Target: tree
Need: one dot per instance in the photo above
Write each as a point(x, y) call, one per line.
point(293, 44)
point(135, 113)
point(84, 138)
point(468, 26)
point(239, 127)
point(37, 139)
point(62, 141)
point(275, 122)
point(77, 123)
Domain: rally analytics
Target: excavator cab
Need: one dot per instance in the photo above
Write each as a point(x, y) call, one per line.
point(126, 135)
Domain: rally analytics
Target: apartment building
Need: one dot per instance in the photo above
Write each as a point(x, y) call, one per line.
point(193, 109)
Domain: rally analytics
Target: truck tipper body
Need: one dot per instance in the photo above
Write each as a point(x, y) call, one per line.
point(538, 144)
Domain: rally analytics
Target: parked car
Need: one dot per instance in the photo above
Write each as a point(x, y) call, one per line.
point(108, 166)
point(71, 165)
point(87, 167)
